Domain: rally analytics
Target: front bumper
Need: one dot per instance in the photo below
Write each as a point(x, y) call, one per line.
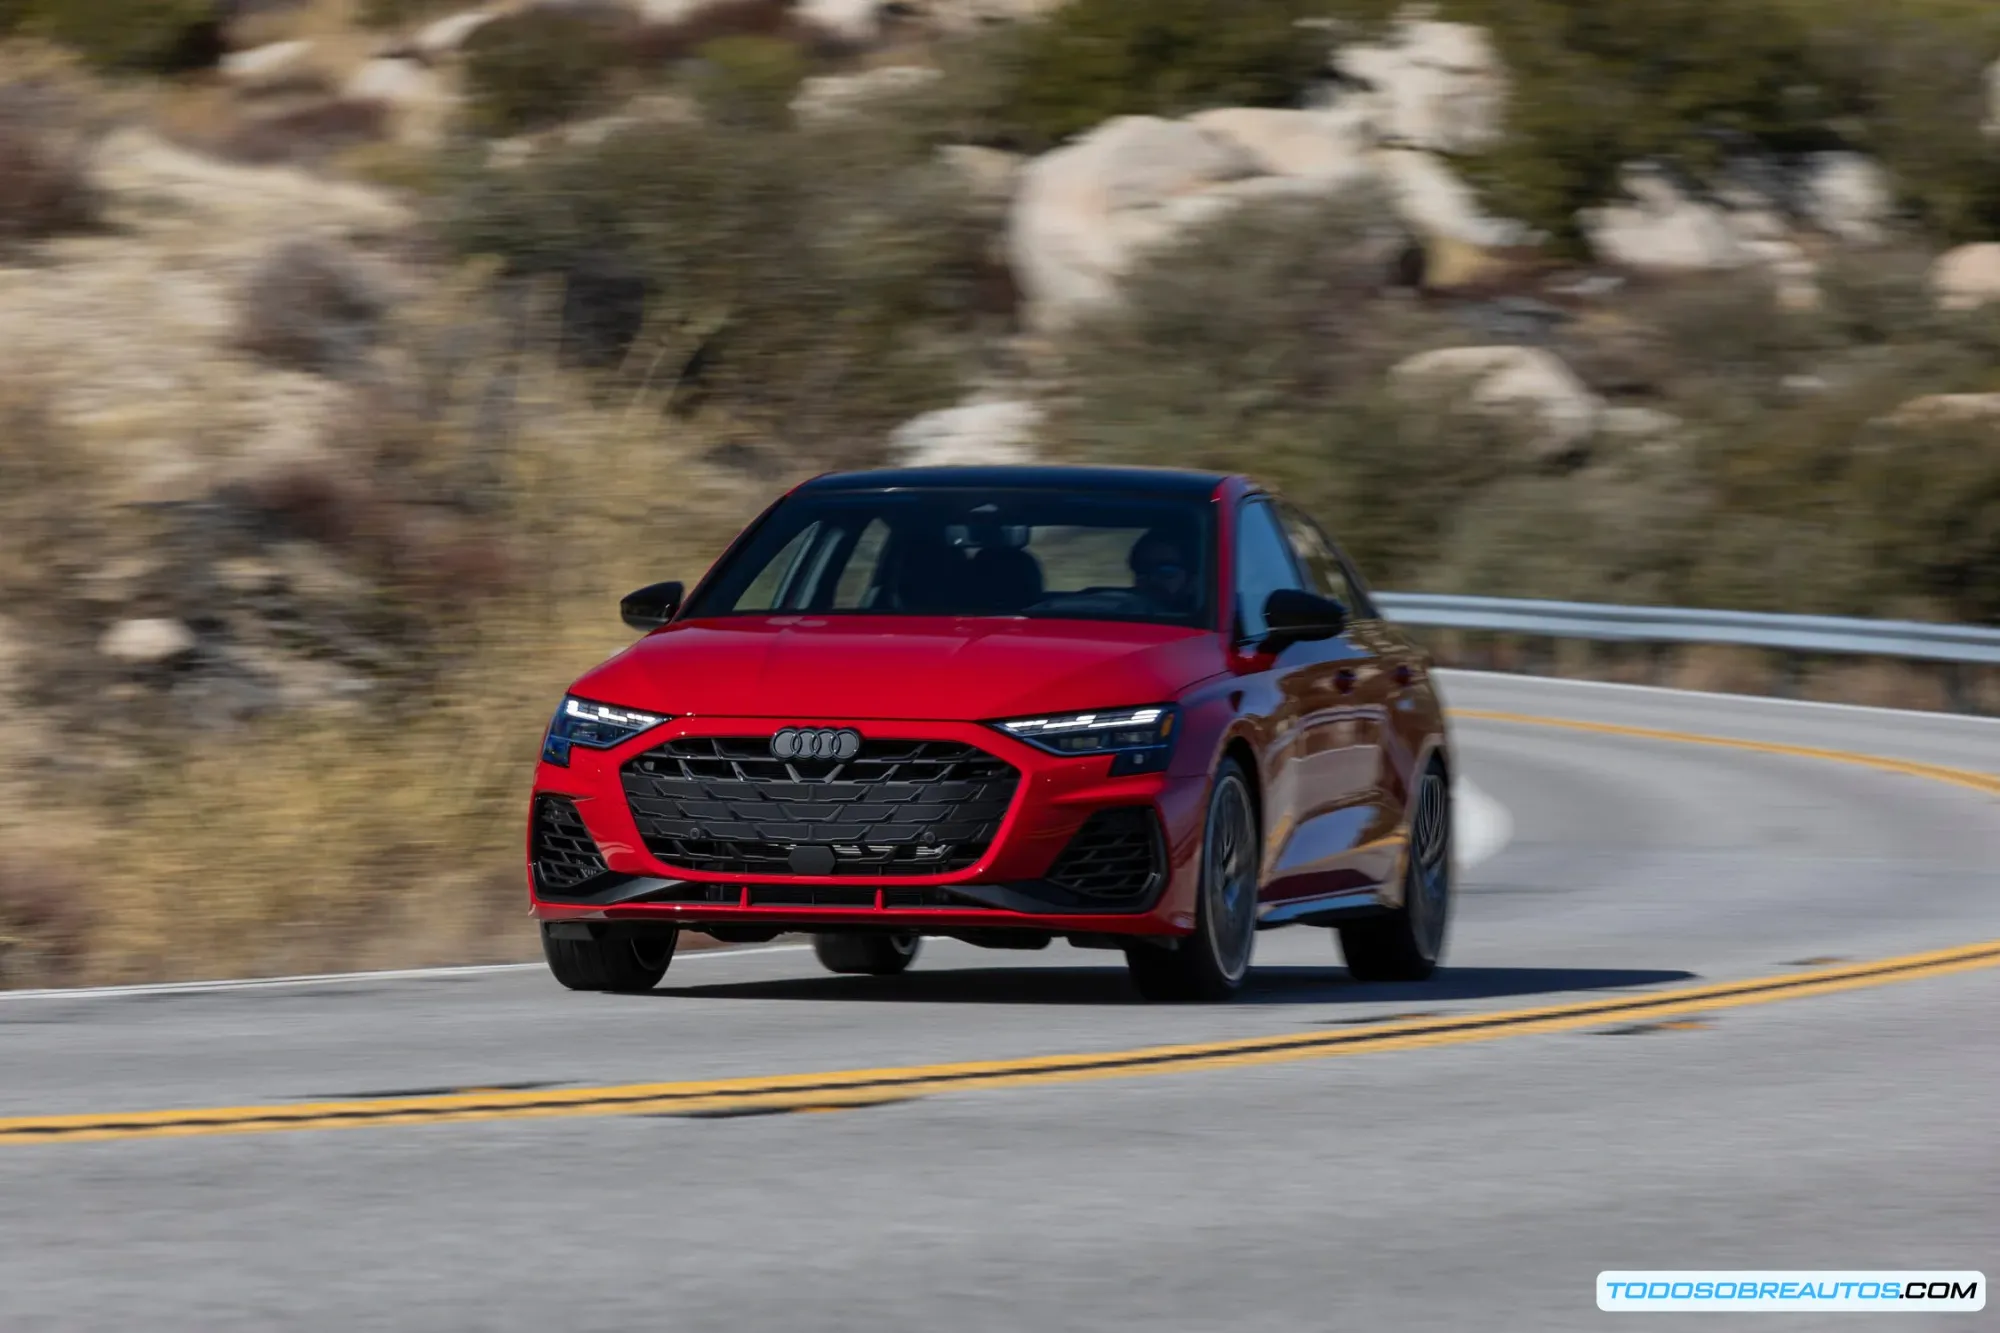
point(592, 858)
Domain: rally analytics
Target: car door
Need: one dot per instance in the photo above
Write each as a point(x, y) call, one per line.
point(1344, 817)
point(1309, 777)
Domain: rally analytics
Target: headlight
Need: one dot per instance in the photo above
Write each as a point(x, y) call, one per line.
point(599, 726)
point(1140, 737)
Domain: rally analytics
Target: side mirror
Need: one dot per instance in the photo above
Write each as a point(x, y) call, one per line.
point(1295, 616)
point(651, 606)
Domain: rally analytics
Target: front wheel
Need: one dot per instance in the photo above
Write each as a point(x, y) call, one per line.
point(867, 953)
point(609, 957)
point(1211, 963)
point(1405, 944)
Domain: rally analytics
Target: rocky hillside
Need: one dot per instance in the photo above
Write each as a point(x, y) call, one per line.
point(358, 353)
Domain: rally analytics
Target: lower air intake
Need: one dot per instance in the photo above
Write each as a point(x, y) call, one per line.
point(1114, 857)
point(561, 848)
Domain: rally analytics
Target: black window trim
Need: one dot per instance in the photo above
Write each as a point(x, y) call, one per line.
point(1299, 575)
point(1365, 608)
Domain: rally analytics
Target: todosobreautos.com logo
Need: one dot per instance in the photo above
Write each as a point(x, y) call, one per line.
point(1889, 1291)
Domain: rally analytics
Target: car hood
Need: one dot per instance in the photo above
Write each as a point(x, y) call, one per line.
point(824, 668)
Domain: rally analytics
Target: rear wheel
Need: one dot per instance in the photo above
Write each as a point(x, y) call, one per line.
point(1211, 963)
point(611, 957)
point(868, 953)
point(1405, 944)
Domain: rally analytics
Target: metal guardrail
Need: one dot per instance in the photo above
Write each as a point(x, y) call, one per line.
point(1662, 624)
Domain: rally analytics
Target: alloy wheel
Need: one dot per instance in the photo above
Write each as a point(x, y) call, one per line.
point(1230, 875)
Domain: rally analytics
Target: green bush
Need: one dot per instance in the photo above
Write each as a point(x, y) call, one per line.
point(819, 285)
point(1094, 59)
point(1694, 82)
point(1261, 344)
point(540, 67)
point(122, 34)
point(750, 80)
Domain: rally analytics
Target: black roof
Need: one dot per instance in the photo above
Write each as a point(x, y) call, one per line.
point(1032, 476)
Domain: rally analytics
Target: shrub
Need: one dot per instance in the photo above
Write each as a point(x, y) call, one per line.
point(823, 283)
point(1094, 59)
point(307, 133)
point(664, 41)
point(1692, 83)
point(45, 186)
point(310, 307)
point(750, 80)
point(1918, 75)
point(157, 35)
point(540, 67)
point(1259, 344)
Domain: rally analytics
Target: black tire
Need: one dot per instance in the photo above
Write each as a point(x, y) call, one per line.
point(615, 958)
point(1211, 964)
point(866, 952)
point(1406, 944)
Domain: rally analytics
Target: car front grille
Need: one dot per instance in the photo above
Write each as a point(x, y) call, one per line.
point(724, 804)
point(1114, 857)
point(561, 848)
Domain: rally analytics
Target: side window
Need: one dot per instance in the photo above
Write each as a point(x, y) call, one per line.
point(1325, 574)
point(1263, 566)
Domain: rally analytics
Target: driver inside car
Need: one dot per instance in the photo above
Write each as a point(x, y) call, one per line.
point(1161, 570)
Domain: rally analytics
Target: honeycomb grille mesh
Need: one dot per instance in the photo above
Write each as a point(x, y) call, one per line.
point(1112, 858)
point(724, 804)
point(564, 854)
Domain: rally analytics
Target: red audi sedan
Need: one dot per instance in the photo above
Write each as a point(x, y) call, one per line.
point(1136, 709)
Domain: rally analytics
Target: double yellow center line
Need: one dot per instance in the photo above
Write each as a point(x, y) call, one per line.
point(849, 1088)
point(796, 1092)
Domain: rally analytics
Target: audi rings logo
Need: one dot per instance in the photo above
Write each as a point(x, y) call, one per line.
point(816, 743)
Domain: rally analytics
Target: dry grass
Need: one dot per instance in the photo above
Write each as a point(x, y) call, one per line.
point(389, 834)
point(483, 510)
point(310, 306)
point(48, 125)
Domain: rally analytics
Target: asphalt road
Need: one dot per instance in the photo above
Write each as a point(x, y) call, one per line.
point(1480, 1184)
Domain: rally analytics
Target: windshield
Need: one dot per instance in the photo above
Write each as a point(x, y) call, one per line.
point(974, 553)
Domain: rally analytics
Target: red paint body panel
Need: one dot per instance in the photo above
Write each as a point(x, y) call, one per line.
point(1334, 734)
point(920, 668)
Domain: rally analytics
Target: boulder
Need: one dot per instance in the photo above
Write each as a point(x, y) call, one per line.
point(268, 65)
point(1639, 425)
point(989, 173)
point(1947, 409)
point(1083, 211)
point(989, 430)
point(1327, 145)
point(826, 96)
point(1848, 196)
point(1436, 203)
point(1431, 85)
point(445, 37)
point(1967, 277)
point(1524, 384)
point(147, 642)
point(417, 98)
point(855, 22)
point(1662, 228)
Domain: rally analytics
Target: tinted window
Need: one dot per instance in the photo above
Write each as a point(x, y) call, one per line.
point(1318, 558)
point(964, 552)
point(1263, 565)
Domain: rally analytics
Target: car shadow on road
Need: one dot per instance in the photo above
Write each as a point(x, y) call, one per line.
point(1108, 985)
